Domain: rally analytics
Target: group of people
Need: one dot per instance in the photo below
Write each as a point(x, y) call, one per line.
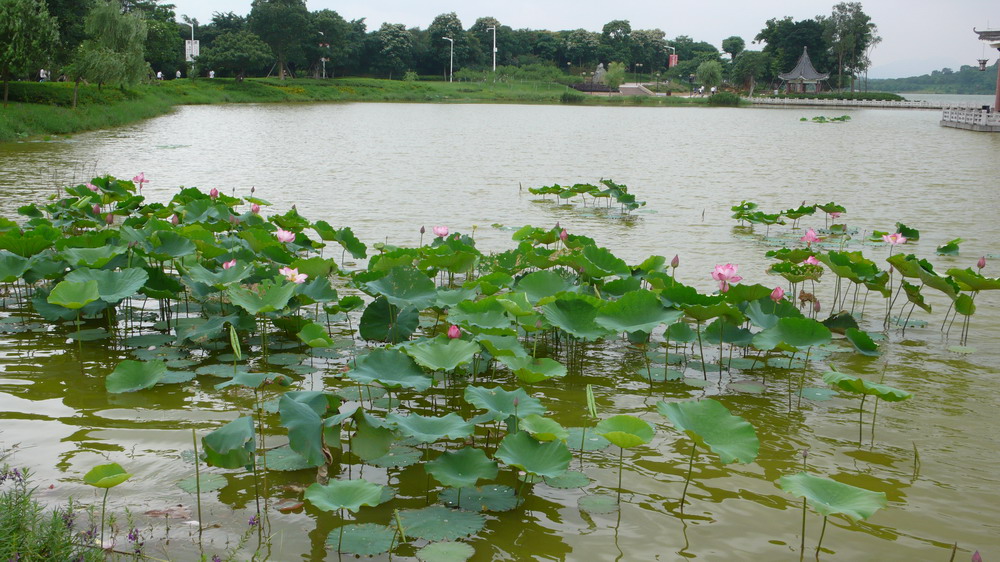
point(159, 74)
point(701, 90)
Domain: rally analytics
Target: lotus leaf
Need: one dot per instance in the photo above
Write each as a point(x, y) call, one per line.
point(829, 497)
point(438, 523)
point(709, 423)
point(130, 376)
point(493, 497)
point(636, 311)
point(404, 287)
point(625, 431)
point(12, 266)
point(427, 429)
point(442, 353)
point(501, 404)
point(462, 468)
point(859, 385)
point(74, 295)
point(391, 368)
point(305, 428)
point(576, 315)
point(206, 482)
point(502, 346)
point(231, 445)
point(382, 321)
point(315, 335)
point(106, 476)
point(284, 459)
point(532, 370)
point(344, 494)
point(794, 332)
point(487, 314)
point(862, 342)
point(446, 551)
point(373, 437)
point(543, 429)
point(541, 284)
point(548, 459)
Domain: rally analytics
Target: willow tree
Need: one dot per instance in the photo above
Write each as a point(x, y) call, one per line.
point(114, 50)
point(28, 34)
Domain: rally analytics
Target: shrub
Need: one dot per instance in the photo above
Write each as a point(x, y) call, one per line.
point(724, 99)
point(571, 97)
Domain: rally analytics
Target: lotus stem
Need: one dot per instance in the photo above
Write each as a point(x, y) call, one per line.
point(802, 378)
point(104, 505)
point(687, 479)
point(861, 418)
point(197, 484)
point(802, 545)
point(701, 350)
point(621, 455)
point(821, 533)
point(874, 413)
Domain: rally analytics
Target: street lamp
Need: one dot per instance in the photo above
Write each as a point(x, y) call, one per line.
point(638, 65)
point(494, 30)
point(451, 63)
point(673, 53)
point(327, 45)
point(191, 25)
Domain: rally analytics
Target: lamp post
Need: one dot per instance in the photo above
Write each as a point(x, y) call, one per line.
point(657, 82)
point(673, 51)
point(323, 59)
point(191, 25)
point(494, 30)
point(638, 65)
point(451, 59)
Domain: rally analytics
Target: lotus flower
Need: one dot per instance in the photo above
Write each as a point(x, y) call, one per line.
point(255, 209)
point(726, 274)
point(92, 187)
point(675, 262)
point(835, 215)
point(810, 237)
point(777, 294)
point(454, 332)
point(894, 239)
point(284, 235)
point(563, 235)
point(811, 260)
point(293, 275)
point(175, 220)
point(228, 264)
point(981, 263)
point(140, 179)
point(96, 208)
point(422, 230)
point(440, 231)
point(214, 193)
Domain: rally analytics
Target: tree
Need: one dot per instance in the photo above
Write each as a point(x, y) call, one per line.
point(850, 33)
point(70, 15)
point(710, 73)
point(786, 38)
point(615, 75)
point(749, 67)
point(235, 53)
point(582, 46)
point(280, 24)
point(649, 46)
point(28, 35)
point(331, 40)
point(439, 51)
point(113, 51)
point(616, 42)
point(734, 46)
point(395, 48)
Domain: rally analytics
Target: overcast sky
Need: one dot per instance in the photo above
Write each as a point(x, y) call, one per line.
point(918, 36)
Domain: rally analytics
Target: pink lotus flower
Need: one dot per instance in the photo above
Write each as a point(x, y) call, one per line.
point(777, 294)
point(454, 332)
point(255, 209)
point(293, 275)
point(214, 193)
point(92, 187)
point(811, 260)
point(228, 264)
point(140, 179)
point(894, 239)
point(564, 235)
point(810, 237)
point(175, 220)
point(284, 235)
point(675, 262)
point(726, 274)
point(835, 215)
point(981, 263)
point(440, 231)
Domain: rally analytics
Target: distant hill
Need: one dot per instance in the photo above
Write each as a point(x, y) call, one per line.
point(968, 80)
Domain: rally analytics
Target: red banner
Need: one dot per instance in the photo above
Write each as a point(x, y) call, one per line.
point(673, 61)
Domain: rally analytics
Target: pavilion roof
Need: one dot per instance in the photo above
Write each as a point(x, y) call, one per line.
point(804, 69)
point(988, 34)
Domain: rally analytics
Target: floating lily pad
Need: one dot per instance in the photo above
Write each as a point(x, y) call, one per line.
point(962, 349)
point(818, 394)
point(462, 468)
point(495, 497)
point(569, 479)
point(745, 363)
point(130, 376)
point(92, 334)
point(209, 483)
point(697, 383)
point(366, 539)
point(550, 458)
point(438, 523)
point(286, 460)
point(285, 358)
point(446, 551)
point(586, 439)
point(344, 494)
point(397, 457)
point(751, 387)
point(598, 503)
point(177, 377)
point(360, 393)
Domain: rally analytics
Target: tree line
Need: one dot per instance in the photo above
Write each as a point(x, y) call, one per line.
point(124, 41)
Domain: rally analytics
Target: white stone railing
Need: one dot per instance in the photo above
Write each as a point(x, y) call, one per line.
point(971, 116)
point(858, 103)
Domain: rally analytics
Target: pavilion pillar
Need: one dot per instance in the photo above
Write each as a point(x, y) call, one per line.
point(996, 99)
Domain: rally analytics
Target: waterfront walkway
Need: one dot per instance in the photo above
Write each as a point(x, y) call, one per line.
point(804, 102)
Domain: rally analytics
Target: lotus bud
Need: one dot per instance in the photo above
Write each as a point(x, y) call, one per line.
point(816, 306)
point(981, 263)
point(97, 209)
point(109, 219)
point(538, 324)
point(214, 193)
point(454, 332)
point(255, 209)
point(175, 220)
point(976, 557)
point(557, 225)
point(252, 189)
point(675, 262)
point(516, 401)
point(422, 230)
point(233, 219)
point(564, 235)
point(777, 294)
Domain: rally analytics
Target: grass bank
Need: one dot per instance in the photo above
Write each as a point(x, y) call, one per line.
point(41, 109)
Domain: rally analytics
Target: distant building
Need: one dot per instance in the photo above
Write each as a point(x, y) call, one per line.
point(804, 77)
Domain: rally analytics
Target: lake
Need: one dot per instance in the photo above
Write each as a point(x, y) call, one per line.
point(388, 169)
